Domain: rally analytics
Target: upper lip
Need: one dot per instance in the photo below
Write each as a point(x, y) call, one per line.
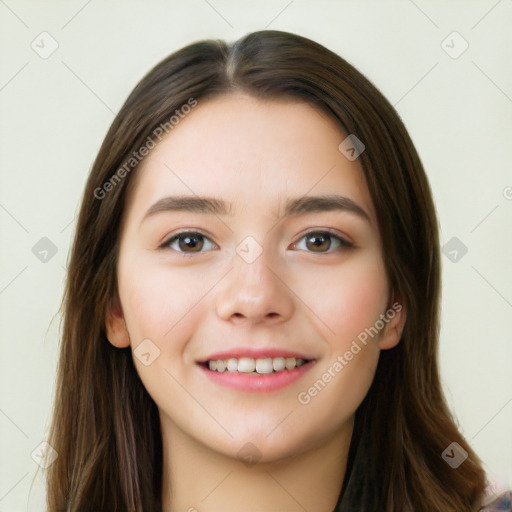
point(254, 353)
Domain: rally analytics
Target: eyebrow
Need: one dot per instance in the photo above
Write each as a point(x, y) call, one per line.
point(295, 206)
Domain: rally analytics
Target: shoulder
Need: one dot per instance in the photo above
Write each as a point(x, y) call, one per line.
point(503, 503)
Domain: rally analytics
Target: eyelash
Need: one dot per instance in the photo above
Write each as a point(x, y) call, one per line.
point(344, 244)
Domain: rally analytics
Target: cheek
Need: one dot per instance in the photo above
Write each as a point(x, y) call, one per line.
point(334, 393)
point(350, 304)
point(347, 299)
point(158, 302)
point(162, 306)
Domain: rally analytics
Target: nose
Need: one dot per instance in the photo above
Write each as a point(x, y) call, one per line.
point(253, 292)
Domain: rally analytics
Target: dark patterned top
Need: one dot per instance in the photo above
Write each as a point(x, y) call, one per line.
point(503, 503)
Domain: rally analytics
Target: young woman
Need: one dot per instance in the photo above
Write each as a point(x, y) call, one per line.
point(251, 314)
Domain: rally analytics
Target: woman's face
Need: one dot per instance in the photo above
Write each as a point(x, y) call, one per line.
point(253, 284)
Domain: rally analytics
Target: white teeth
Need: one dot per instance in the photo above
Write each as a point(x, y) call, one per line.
point(264, 365)
point(232, 365)
point(246, 365)
point(278, 364)
point(290, 363)
point(255, 366)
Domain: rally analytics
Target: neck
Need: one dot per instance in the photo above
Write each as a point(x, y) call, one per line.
point(197, 478)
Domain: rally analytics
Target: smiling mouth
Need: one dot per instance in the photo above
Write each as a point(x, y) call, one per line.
point(250, 366)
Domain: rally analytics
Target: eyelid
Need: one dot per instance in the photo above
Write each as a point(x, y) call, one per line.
point(343, 238)
point(185, 231)
point(174, 236)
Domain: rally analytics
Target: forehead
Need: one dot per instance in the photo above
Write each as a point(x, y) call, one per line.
point(252, 153)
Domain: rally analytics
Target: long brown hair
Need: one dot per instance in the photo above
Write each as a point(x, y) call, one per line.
point(105, 426)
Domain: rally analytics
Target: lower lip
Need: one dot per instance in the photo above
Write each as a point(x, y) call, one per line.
point(258, 383)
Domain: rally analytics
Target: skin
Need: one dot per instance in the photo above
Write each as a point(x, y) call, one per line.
point(255, 154)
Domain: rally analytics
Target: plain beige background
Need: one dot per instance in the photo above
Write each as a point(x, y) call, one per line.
point(56, 107)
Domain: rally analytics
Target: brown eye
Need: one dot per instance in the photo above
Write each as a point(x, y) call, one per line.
point(187, 242)
point(322, 241)
point(193, 242)
point(318, 242)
